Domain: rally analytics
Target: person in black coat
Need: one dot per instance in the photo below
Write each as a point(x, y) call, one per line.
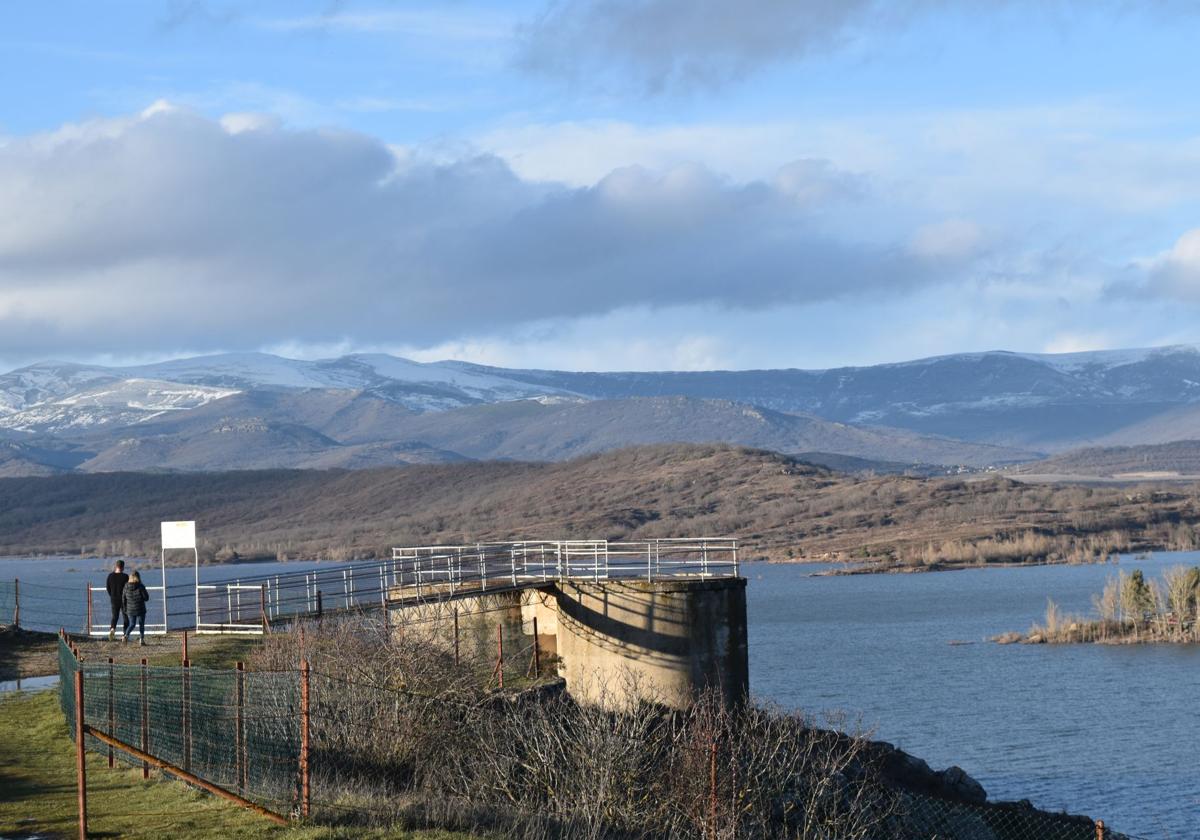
point(115, 584)
point(134, 599)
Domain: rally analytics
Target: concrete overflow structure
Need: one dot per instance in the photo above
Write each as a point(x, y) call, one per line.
point(658, 620)
point(661, 636)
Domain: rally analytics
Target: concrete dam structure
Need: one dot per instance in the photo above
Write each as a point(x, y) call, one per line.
point(613, 636)
point(656, 620)
point(663, 641)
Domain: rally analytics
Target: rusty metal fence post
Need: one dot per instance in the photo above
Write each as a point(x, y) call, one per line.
point(536, 662)
point(500, 652)
point(186, 713)
point(266, 621)
point(112, 718)
point(304, 743)
point(456, 637)
point(239, 735)
point(145, 722)
point(80, 763)
point(712, 789)
point(16, 603)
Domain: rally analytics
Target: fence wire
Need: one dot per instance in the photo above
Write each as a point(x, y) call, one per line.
point(931, 818)
point(235, 729)
point(391, 753)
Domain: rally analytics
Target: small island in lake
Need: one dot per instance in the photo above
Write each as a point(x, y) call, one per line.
point(1129, 610)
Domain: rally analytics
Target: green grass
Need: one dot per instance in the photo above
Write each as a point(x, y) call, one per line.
point(38, 791)
point(32, 654)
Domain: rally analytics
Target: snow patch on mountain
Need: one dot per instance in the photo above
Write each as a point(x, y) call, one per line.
point(122, 403)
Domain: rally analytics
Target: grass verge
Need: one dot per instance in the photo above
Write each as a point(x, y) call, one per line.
point(37, 791)
point(28, 653)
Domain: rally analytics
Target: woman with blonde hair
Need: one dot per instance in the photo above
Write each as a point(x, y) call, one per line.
point(134, 599)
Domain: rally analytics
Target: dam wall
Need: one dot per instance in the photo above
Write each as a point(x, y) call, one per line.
point(613, 641)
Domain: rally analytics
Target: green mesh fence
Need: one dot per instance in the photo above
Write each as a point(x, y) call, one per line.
point(931, 818)
point(374, 747)
point(237, 730)
point(8, 601)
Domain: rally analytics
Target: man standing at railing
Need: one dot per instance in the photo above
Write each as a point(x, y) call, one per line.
point(115, 584)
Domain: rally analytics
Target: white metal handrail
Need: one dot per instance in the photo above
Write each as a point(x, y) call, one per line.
point(437, 572)
point(101, 627)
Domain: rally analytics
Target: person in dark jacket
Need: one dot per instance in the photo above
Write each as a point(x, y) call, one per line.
point(134, 600)
point(115, 584)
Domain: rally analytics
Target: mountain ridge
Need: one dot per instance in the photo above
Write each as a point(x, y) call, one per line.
point(973, 409)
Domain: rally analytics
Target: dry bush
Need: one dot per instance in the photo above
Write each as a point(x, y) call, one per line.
point(402, 737)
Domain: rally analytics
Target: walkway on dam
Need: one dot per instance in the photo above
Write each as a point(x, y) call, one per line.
point(429, 574)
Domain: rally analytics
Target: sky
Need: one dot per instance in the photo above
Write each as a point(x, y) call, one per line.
point(597, 184)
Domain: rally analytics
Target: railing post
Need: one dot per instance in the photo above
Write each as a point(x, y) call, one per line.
point(320, 611)
point(184, 656)
point(262, 605)
point(649, 564)
point(80, 763)
point(145, 722)
point(112, 721)
point(16, 603)
point(87, 598)
point(304, 788)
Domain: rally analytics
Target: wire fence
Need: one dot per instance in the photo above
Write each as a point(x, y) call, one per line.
point(334, 745)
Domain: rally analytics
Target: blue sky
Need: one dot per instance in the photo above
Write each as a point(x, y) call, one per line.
point(603, 184)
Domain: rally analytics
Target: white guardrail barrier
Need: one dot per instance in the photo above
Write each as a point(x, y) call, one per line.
point(99, 611)
point(417, 574)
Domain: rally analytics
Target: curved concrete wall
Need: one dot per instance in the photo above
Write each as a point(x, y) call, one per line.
point(663, 641)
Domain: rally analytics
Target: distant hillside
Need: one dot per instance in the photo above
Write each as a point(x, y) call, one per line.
point(534, 431)
point(974, 409)
point(782, 508)
point(1178, 458)
point(315, 428)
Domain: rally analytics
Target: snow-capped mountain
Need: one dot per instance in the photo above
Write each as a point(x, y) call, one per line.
point(435, 386)
point(116, 402)
point(974, 408)
point(1047, 402)
point(38, 383)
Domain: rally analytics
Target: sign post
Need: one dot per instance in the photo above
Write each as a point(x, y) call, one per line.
point(181, 535)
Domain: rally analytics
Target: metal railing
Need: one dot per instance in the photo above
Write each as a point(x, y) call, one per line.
point(417, 574)
point(98, 621)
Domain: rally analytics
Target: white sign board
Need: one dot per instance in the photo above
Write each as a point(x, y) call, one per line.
point(178, 535)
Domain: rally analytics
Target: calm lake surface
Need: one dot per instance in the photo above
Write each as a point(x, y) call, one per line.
point(1105, 730)
point(1109, 731)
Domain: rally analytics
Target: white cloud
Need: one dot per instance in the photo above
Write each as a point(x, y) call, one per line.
point(952, 239)
point(417, 23)
point(1174, 273)
point(169, 229)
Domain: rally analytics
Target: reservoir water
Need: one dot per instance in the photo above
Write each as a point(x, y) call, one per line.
point(1109, 731)
point(1106, 730)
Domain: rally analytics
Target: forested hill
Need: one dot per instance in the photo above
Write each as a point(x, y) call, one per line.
point(782, 508)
